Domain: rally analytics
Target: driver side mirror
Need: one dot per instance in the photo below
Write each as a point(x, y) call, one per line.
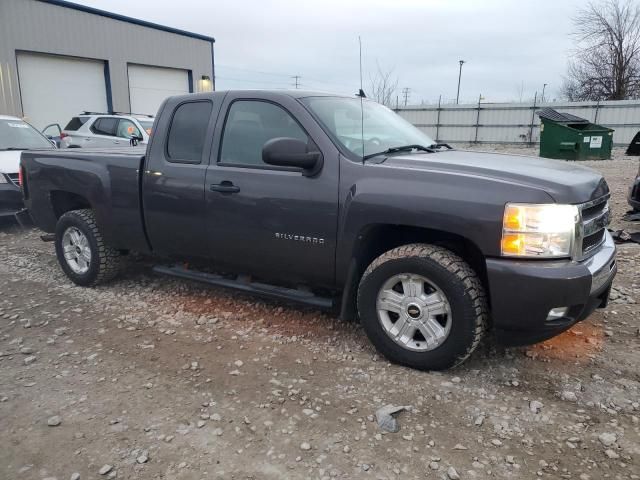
point(134, 139)
point(291, 152)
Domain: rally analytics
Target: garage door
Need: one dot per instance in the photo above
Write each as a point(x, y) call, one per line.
point(54, 89)
point(149, 86)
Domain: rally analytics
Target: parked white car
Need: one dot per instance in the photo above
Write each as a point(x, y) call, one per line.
point(16, 136)
point(106, 130)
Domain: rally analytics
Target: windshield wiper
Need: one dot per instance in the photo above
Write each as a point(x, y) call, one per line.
point(11, 149)
point(403, 148)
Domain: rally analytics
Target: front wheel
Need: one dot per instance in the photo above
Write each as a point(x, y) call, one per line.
point(422, 306)
point(81, 251)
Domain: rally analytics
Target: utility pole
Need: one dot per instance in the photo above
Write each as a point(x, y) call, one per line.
point(462, 62)
point(296, 78)
point(405, 94)
point(543, 89)
point(533, 117)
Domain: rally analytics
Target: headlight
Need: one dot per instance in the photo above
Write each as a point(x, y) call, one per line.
point(538, 231)
point(3, 178)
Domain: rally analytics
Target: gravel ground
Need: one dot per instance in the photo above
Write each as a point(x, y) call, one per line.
point(150, 377)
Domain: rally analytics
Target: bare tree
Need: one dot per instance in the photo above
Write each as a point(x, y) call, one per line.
point(606, 65)
point(383, 86)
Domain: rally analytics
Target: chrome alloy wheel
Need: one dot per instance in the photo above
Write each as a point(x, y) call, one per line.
point(77, 251)
point(414, 312)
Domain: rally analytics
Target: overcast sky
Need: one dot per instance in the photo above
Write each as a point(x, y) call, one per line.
point(508, 45)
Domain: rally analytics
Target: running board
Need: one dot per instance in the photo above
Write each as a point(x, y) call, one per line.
point(264, 289)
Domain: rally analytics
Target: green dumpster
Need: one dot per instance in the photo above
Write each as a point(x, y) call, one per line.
point(568, 137)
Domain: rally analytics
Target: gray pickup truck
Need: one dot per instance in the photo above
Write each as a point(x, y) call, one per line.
point(338, 203)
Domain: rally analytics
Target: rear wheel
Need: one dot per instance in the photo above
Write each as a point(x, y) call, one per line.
point(81, 251)
point(422, 306)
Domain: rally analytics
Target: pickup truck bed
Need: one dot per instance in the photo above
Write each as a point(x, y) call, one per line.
point(108, 180)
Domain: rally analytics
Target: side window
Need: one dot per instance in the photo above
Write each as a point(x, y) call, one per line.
point(105, 126)
point(76, 122)
point(188, 131)
point(126, 129)
point(249, 125)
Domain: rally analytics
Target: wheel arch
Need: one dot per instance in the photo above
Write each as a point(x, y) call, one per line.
point(376, 239)
point(63, 201)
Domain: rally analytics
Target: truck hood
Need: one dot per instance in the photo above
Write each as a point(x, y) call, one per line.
point(9, 161)
point(565, 182)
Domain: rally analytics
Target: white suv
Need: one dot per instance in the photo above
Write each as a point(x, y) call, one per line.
point(106, 130)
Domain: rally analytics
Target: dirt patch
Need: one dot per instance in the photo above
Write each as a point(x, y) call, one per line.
point(154, 378)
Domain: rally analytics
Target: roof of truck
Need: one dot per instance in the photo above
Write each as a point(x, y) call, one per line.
point(311, 93)
point(259, 93)
point(123, 150)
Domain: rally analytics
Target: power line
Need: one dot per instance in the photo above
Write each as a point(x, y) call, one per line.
point(296, 79)
point(284, 75)
point(406, 91)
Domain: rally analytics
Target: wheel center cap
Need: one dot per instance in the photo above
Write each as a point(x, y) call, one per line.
point(414, 311)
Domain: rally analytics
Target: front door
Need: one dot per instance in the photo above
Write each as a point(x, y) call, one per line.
point(264, 220)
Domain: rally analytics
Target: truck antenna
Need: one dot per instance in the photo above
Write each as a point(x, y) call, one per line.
point(361, 95)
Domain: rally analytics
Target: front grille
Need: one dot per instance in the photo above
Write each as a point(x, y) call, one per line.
point(595, 217)
point(591, 211)
point(14, 179)
point(592, 241)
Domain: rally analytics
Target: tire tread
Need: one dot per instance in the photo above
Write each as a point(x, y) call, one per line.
point(109, 258)
point(455, 265)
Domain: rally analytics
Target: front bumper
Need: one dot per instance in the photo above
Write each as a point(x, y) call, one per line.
point(10, 200)
point(634, 194)
point(523, 292)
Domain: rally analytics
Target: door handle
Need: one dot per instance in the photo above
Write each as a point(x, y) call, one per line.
point(224, 187)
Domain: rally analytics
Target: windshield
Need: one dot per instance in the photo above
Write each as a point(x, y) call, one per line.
point(147, 125)
point(19, 135)
point(383, 129)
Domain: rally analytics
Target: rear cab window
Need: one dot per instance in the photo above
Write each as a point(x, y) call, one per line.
point(188, 132)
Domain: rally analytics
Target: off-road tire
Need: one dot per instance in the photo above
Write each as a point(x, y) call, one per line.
point(105, 261)
point(454, 277)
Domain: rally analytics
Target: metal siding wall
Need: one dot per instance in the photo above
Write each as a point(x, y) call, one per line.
point(40, 27)
point(511, 122)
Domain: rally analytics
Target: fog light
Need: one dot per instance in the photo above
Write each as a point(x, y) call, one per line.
point(556, 313)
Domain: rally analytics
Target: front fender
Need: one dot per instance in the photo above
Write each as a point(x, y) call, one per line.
point(467, 206)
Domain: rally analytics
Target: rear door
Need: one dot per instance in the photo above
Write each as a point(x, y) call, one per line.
point(173, 180)
point(103, 133)
point(272, 221)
